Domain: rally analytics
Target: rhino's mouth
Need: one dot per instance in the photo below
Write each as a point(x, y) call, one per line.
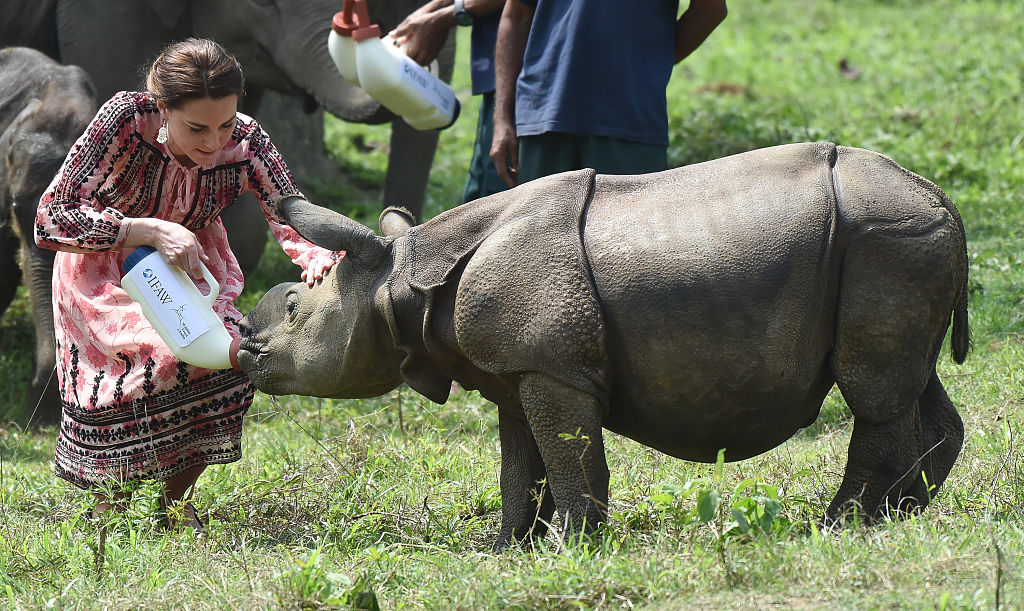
point(250, 354)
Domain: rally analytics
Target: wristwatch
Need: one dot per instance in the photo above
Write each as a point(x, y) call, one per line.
point(462, 17)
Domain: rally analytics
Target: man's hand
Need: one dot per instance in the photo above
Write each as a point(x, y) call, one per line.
point(505, 152)
point(696, 24)
point(424, 31)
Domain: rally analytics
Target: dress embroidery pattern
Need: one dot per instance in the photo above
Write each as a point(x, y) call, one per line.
point(131, 409)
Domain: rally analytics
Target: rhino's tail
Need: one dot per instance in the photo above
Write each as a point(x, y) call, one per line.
point(960, 339)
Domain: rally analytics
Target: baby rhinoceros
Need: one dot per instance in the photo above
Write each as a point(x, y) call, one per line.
point(706, 307)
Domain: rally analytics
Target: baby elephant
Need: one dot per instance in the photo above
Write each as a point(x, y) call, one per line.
point(44, 108)
point(706, 307)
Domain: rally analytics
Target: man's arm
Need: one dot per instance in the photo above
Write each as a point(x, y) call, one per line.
point(426, 29)
point(513, 32)
point(696, 24)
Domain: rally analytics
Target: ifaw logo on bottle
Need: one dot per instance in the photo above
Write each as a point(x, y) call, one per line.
point(158, 288)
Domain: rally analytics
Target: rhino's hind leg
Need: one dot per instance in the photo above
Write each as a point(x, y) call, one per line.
point(522, 468)
point(895, 301)
point(943, 437)
point(566, 424)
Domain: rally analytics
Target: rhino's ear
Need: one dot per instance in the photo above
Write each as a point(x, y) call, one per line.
point(331, 230)
point(395, 221)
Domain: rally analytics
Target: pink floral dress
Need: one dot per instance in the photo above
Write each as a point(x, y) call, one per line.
point(131, 409)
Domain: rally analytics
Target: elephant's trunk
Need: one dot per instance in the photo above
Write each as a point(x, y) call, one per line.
point(38, 269)
point(42, 396)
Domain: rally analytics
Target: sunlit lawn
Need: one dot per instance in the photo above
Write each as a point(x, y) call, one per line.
point(398, 498)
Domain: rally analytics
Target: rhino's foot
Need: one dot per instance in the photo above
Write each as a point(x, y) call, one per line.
point(509, 541)
point(852, 513)
point(942, 436)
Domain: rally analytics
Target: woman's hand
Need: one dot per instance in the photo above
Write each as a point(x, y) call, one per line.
point(316, 269)
point(177, 245)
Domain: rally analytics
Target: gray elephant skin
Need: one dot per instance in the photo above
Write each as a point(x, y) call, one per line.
point(44, 108)
point(282, 46)
point(706, 307)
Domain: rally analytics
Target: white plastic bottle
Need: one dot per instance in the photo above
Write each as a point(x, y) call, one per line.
point(182, 315)
point(342, 48)
point(340, 44)
point(403, 86)
point(384, 71)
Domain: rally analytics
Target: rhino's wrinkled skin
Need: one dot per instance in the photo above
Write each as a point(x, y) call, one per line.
point(711, 306)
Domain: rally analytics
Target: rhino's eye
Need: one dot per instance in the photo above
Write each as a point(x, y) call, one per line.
point(291, 306)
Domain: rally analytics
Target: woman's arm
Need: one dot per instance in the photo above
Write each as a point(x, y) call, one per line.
point(69, 216)
point(271, 181)
point(176, 244)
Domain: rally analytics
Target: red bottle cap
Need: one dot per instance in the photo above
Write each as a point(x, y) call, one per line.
point(354, 21)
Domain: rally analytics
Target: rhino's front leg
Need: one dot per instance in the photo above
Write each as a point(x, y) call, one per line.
point(521, 470)
point(566, 424)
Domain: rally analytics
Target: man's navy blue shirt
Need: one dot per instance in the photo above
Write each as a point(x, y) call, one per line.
point(599, 68)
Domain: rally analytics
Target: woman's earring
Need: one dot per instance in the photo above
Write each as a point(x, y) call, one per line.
point(161, 136)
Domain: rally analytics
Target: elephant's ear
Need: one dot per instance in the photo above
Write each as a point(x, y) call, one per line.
point(395, 221)
point(7, 140)
point(329, 229)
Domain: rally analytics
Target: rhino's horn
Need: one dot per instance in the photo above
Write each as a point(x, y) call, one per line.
point(329, 229)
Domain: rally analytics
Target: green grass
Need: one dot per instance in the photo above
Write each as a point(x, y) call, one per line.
point(399, 497)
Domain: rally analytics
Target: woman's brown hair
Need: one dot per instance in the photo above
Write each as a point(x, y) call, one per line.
point(194, 68)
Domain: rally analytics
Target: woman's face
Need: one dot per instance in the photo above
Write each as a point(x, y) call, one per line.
point(199, 128)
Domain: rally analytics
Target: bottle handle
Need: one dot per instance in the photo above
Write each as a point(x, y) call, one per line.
point(214, 286)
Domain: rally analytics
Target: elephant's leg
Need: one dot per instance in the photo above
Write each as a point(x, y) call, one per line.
point(9, 269)
point(521, 471)
point(247, 231)
point(412, 154)
point(412, 151)
point(943, 437)
point(566, 424)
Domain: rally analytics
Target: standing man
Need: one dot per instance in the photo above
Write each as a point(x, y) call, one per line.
point(581, 83)
point(425, 31)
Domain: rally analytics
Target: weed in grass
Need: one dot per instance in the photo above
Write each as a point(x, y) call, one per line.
point(307, 585)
